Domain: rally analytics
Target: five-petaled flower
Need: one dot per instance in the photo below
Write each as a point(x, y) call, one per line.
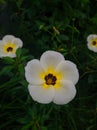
point(52, 78)
point(92, 42)
point(8, 46)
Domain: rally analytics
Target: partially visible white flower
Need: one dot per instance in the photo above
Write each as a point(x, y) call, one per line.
point(52, 78)
point(92, 42)
point(8, 46)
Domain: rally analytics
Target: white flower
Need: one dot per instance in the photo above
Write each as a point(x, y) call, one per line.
point(8, 46)
point(92, 42)
point(52, 78)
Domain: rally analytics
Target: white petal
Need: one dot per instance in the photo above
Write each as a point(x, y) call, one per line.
point(68, 70)
point(33, 71)
point(40, 94)
point(91, 47)
point(12, 39)
point(0, 42)
point(50, 59)
point(8, 38)
point(12, 55)
point(2, 54)
point(1, 46)
point(65, 93)
point(18, 42)
point(91, 37)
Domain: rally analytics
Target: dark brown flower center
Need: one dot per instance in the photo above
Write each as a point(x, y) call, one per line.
point(9, 49)
point(50, 79)
point(94, 43)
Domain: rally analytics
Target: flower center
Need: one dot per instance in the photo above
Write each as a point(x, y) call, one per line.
point(9, 49)
point(94, 43)
point(50, 79)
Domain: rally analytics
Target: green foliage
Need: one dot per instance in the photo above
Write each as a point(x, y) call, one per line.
point(59, 25)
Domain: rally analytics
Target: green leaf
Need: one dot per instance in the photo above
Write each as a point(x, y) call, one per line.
point(44, 128)
point(26, 127)
point(18, 52)
point(6, 70)
point(85, 1)
point(19, 3)
point(21, 69)
point(8, 60)
point(64, 37)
